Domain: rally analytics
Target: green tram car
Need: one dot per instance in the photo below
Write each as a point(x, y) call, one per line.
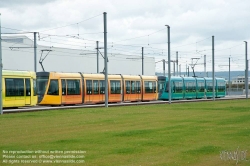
point(190, 87)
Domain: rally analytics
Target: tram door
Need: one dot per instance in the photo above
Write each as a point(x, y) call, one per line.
point(88, 97)
point(63, 82)
point(28, 92)
point(138, 90)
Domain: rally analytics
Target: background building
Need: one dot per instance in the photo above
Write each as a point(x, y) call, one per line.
point(18, 54)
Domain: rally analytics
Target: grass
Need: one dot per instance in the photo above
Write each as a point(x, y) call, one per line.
point(176, 134)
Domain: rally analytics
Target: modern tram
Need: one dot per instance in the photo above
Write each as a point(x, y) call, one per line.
point(55, 88)
point(18, 88)
point(190, 87)
point(27, 88)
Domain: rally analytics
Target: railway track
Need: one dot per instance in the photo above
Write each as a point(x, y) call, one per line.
point(47, 108)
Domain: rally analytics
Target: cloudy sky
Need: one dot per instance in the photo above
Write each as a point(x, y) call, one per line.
point(132, 25)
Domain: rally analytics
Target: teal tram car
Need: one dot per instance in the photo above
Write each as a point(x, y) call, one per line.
point(190, 87)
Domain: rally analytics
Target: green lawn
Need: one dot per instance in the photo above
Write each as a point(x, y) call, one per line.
point(176, 134)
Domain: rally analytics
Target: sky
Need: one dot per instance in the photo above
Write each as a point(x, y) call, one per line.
point(132, 25)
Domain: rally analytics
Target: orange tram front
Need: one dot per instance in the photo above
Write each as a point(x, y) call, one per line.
point(54, 88)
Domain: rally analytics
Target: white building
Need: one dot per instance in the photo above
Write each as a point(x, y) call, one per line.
point(240, 80)
point(18, 54)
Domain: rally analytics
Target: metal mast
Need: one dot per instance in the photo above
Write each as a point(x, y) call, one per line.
point(106, 58)
point(213, 67)
point(1, 69)
point(169, 69)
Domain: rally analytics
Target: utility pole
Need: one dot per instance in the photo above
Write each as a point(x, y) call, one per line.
point(179, 69)
point(186, 68)
point(174, 67)
point(1, 70)
point(188, 71)
point(164, 74)
point(106, 58)
point(229, 84)
point(177, 61)
point(169, 69)
point(204, 65)
point(246, 72)
point(97, 55)
point(142, 60)
point(35, 49)
point(213, 67)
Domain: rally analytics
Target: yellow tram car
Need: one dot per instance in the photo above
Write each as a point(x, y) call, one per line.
point(18, 88)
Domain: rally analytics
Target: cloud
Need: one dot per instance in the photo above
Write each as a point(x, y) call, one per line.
point(190, 21)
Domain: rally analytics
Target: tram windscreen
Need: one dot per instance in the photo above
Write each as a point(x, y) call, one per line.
point(161, 84)
point(42, 83)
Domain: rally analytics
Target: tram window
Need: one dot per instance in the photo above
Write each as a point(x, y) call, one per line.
point(221, 87)
point(127, 83)
point(115, 87)
point(138, 85)
point(34, 87)
point(102, 87)
point(89, 87)
point(209, 87)
point(148, 86)
point(63, 87)
point(201, 87)
point(187, 86)
point(166, 89)
point(42, 83)
point(154, 87)
point(73, 87)
point(27, 87)
point(161, 86)
point(177, 87)
point(53, 88)
point(133, 87)
point(96, 86)
point(14, 87)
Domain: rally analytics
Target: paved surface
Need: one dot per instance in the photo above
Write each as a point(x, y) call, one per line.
point(46, 108)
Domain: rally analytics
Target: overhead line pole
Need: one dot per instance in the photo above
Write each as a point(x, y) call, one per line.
point(204, 65)
point(106, 58)
point(229, 84)
point(213, 67)
point(186, 69)
point(246, 72)
point(174, 67)
point(164, 73)
point(169, 69)
point(180, 69)
point(97, 56)
point(1, 69)
point(35, 51)
point(142, 50)
point(177, 63)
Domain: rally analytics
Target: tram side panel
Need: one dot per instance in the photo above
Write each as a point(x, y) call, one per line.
point(115, 88)
point(59, 88)
point(149, 88)
point(220, 87)
point(190, 87)
point(209, 87)
point(132, 88)
point(177, 88)
point(200, 88)
point(93, 88)
point(19, 88)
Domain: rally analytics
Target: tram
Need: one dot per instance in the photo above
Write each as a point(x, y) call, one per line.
point(55, 88)
point(190, 87)
point(18, 88)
